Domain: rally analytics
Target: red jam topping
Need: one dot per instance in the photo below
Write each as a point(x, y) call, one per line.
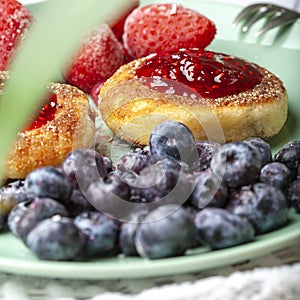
point(206, 73)
point(46, 114)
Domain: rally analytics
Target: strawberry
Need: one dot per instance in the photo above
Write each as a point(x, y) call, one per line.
point(117, 25)
point(99, 56)
point(94, 93)
point(166, 27)
point(14, 22)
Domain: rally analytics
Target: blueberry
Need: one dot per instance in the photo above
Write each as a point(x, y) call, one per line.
point(16, 214)
point(133, 161)
point(16, 191)
point(48, 182)
point(276, 174)
point(290, 156)
point(210, 190)
point(206, 150)
point(263, 205)
point(25, 216)
point(169, 162)
point(109, 195)
point(221, 229)
point(109, 165)
point(101, 233)
point(263, 147)
point(155, 181)
point(294, 194)
point(174, 139)
point(10, 195)
point(167, 231)
point(164, 180)
point(56, 238)
point(84, 166)
point(192, 210)
point(238, 163)
point(128, 233)
point(78, 204)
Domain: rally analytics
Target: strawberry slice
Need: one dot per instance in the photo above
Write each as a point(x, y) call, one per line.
point(166, 27)
point(99, 56)
point(14, 22)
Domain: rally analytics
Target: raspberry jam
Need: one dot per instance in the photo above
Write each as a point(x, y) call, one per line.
point(209, 74)
point(46, 114)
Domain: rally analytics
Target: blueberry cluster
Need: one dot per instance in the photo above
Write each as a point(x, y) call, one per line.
point(158, 202)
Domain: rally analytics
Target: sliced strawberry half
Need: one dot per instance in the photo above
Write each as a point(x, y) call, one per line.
point(99, 56)
point(14, 22)
point(166, 27)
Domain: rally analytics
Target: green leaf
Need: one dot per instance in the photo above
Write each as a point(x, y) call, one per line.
point(52, 39)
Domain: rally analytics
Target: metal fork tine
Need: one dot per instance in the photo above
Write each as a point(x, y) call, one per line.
point(278, 21)
point(252, 9)
point(263, 12)
point(279, 16)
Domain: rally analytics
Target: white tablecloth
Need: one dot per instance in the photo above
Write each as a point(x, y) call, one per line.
point(271, 277)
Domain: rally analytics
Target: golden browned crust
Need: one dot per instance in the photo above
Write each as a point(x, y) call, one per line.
point(73, 127)
point(131, 110)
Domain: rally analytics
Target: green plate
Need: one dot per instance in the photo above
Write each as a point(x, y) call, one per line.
point(279, 52)
point(16, 258)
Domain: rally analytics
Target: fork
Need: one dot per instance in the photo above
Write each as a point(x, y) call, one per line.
point(276, 16)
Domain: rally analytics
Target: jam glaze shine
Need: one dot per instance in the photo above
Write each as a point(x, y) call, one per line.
point(206, 74)
point(45, 115)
